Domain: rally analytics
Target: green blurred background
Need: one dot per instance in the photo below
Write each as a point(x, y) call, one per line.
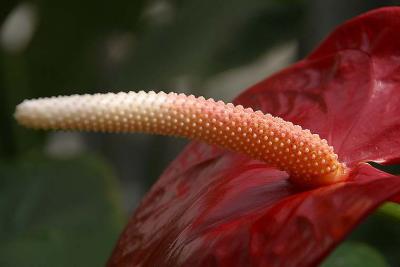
point(64, 197)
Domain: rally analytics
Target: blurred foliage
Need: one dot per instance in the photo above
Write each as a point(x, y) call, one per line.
point(356, 255)
point(382, 231)
point(57, 212)
point(207, 37)
point(375, 242)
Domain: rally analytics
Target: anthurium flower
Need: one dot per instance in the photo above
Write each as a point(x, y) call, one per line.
point(213, 207)
point(216, 208)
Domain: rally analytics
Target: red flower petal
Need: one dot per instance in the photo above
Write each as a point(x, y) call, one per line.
point(396, 199)
point(347, 90)
point(227, 210)
point(216, 208)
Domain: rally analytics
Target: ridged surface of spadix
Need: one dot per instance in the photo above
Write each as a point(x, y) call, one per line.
point(307, 157)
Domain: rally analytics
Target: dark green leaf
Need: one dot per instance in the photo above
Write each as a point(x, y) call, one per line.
point(355, 255)
point(57, 213)
point(381, 230)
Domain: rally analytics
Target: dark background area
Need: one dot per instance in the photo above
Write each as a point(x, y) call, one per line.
point(66, 196)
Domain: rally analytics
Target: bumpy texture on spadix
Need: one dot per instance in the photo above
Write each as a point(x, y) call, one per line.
point(307, 157)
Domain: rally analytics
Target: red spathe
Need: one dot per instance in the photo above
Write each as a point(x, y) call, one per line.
point(216, 208)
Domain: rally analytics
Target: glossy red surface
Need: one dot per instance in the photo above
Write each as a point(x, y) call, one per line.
point(217, 208)
point(347, 90)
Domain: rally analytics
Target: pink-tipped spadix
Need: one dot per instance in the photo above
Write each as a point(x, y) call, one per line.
point(308, 159)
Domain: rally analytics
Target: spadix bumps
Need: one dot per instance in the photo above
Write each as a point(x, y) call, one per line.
point(305, 156)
